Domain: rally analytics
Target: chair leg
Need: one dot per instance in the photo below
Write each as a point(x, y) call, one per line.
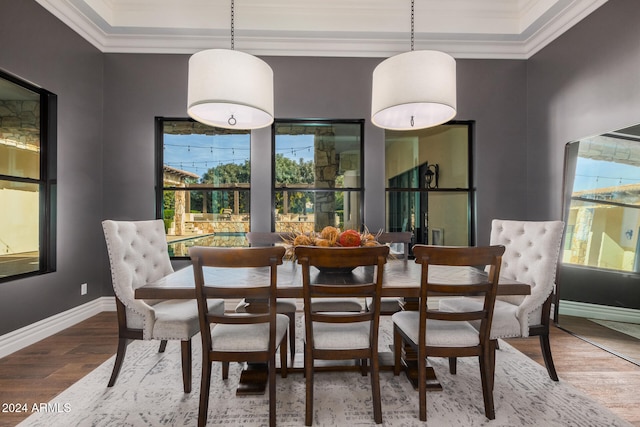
point(292, 335)
point(453, 365)
point(397, 344)
point(205, 383)
point(308, 373)
point(225, 370)
point(487, 382)
point(122, 349)
point(422, 385)
point(283, 357)
point(186, 365)
point(163, 346)
point(363, 367)
point(545, 346)
point(272, 386)
point(375, 388)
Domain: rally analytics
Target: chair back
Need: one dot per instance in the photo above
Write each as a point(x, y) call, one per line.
point(489, 256)
point(237, 282)
point(403, 237)
point(138, 255)
point(531, 256)
point(339, 285)
point(259, 238)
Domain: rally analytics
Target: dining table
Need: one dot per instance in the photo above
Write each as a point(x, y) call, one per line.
point(401, 279)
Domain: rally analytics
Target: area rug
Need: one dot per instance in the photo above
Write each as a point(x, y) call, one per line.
point(149, 393)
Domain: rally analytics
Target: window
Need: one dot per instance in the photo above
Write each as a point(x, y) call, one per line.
point(27, 179)
point(205, 193)
point(429, 188)
point(603, 216)
point(317, 174)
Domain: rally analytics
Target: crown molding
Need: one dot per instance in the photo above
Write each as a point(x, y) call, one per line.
point(557, 16)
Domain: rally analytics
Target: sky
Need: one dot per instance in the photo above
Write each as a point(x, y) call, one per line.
point(198, 153)
point(592, 174)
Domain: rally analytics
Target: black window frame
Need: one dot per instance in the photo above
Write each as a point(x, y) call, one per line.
point(47, 180)
point(360, 189)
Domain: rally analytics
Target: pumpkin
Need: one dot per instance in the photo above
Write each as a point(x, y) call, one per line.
point(349, 238)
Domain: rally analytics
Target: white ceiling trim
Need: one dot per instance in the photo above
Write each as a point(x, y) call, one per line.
point(500, 29)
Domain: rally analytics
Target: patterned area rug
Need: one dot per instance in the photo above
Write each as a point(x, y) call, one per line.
point(149, 393)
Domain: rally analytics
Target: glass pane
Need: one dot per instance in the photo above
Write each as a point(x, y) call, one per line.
point(448, 220)
point(19, 242)
point(214, 169)
point(19, 131)
point(318, 155)
point(305, 211)
point(206, 218)
point(208, 155)
point(603, 220)
point(428, 158)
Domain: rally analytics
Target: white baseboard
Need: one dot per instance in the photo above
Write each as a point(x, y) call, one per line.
point(602, 312)
point(23, 337)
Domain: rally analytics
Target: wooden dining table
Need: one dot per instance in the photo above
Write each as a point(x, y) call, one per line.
point(401, 279)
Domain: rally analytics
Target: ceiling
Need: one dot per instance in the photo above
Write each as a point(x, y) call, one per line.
point(506, 29)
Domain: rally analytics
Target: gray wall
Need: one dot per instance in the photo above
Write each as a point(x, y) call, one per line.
point(585, 83)
point(39, 48)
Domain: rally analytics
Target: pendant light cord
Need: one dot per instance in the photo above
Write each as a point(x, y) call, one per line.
point(412, 14)
point(232, 26)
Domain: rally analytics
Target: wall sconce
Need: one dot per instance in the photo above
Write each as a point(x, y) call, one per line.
point(431, 176)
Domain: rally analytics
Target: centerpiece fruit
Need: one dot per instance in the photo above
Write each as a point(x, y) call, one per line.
point(349, 238)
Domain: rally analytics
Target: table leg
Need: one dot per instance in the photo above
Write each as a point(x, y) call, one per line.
point(410, 356)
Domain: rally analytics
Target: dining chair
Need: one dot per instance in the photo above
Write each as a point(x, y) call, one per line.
point(341, 335)
point(286, 306)
point(531, 256)
point(435, 333)
point(239, 337)
point(390, 305)
point(138, 255)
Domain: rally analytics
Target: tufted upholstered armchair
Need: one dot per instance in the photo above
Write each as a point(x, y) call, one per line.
point(531, 256)
point(138, 255)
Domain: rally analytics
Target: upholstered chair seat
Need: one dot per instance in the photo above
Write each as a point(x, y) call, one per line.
point(341, 336)
point(439, 333)
point(337, 304)
point(246, 338)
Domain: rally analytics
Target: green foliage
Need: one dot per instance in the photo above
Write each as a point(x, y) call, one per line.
point(289, 171)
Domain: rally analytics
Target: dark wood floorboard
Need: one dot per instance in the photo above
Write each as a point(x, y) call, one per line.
point(39, 372)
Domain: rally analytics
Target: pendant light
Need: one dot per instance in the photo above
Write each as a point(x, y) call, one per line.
point(414, 90)
point(230, 89)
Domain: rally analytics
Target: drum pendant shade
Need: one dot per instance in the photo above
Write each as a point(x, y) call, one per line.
point(414, 90)
point(230, 89)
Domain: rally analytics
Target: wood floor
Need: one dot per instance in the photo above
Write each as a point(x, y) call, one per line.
point(39, 372)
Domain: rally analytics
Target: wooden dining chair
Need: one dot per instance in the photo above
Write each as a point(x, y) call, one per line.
point(138, 255)
point(239, 337)
point(531, 256)
point(435, 333)
point(341, 335)
point(286, 306)
point(390, 305)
